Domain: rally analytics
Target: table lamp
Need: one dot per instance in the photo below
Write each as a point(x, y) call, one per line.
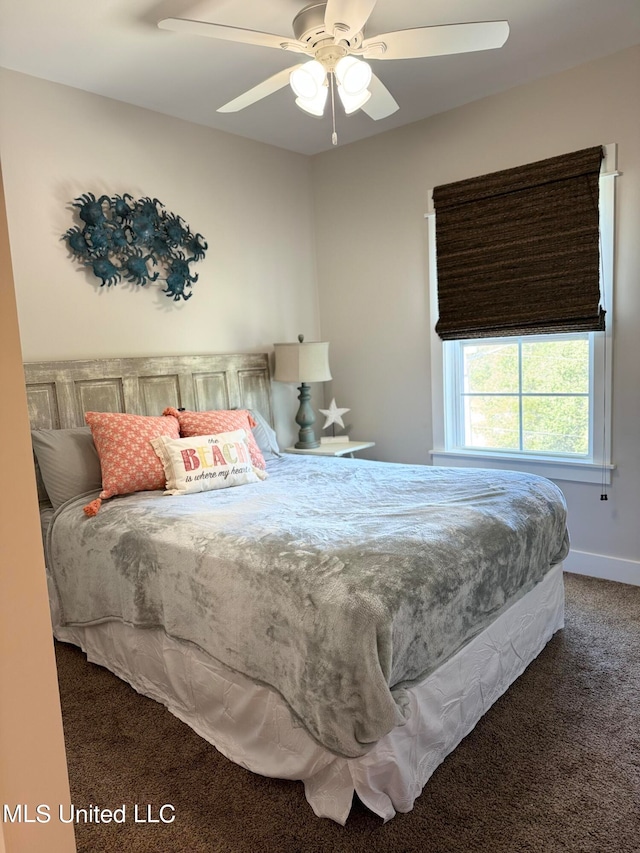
point(303, 363)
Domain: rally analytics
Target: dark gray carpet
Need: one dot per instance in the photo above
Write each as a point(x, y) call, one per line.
point(554, 766)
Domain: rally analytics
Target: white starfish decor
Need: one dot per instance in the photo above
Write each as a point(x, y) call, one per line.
point(333, 414)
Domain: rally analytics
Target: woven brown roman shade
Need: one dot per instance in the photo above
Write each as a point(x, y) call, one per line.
point(518, 251)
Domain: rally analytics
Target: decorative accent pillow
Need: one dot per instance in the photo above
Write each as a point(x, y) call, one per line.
point(203, 462)
point(217, 421)
point(68, 462)
point(265, 435)
point(128, 461)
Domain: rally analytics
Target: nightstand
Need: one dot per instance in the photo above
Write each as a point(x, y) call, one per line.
point(334, 448)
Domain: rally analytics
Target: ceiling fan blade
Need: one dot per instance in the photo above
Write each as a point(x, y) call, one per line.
point(347, 17)
point(267, 87)
point(381, 103)
point(436, 41)
point(219, 31)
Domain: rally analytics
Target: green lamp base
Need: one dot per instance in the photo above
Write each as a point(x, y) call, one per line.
point(305, 420)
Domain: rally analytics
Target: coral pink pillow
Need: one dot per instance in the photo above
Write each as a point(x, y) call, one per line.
point(219, 420)
point(127, 459)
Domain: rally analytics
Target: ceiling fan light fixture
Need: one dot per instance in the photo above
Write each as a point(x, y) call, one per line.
point(314, 106)
point(308, 80)
point(332, 32)
point(353, 75)
point(351, 103)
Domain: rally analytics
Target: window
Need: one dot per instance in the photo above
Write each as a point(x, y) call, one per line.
point(537, 402)
point(526, 395)
point(535, 398)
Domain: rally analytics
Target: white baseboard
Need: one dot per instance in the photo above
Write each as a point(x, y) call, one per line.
point(601, 566)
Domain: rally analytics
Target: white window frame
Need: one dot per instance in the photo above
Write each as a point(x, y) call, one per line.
point(597, 466)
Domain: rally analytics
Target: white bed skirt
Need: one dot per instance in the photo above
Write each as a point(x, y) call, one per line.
point(253, 727)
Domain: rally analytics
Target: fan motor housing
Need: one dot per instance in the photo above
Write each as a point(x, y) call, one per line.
point(309, 27)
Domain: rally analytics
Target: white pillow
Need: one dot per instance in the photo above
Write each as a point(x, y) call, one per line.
point(203, 462)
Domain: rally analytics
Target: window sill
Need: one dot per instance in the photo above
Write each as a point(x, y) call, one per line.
point(580, 472)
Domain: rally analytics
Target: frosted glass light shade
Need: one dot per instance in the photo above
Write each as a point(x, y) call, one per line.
point(351, 103)
point(302, 362)
point(353, 75)
point(307, 80)
point(308, 83)
point(314, 106)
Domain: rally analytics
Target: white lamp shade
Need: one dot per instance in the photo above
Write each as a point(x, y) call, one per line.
point(353, 75)
point(302, 362)
point(308, 82)
point(351, 103)
point(314, 106)
point(307, 79)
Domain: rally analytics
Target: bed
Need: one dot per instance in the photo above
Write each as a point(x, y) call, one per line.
point(343, 622)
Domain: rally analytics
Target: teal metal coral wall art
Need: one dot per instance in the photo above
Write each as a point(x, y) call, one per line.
point(138, 241)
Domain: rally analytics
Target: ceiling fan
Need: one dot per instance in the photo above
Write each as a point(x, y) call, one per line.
point(332, 34)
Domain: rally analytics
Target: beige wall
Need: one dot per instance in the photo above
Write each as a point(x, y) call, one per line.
point(252, 202)
point(32, 761)
point(372, 265)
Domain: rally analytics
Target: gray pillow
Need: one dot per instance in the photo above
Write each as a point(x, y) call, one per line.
point(68, 462)
point(264, 435)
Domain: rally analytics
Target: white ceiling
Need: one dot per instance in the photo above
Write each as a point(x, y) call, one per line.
point(113, 48)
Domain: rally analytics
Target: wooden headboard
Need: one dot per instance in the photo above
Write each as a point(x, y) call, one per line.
point(60, 392)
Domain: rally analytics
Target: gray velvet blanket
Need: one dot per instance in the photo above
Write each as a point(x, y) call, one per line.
point(338, 582)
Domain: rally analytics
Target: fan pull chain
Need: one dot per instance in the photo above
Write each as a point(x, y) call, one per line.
point(334, 135)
